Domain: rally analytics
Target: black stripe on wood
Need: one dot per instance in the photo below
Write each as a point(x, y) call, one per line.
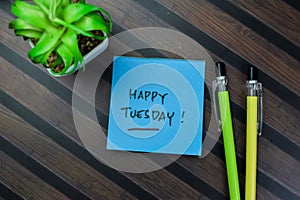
point(262, 179)
point(39, 170)
point(211, 44)
point(63, 92)
point(275, 187)
point(194, 182)
point(259, 27)
point(272, 135)
point(69, 145)
point(294, 3)
point(219, 50)
point(6, 6)
point(7, 193)
point(276, 137)
point(269, 133)
point(179, 170)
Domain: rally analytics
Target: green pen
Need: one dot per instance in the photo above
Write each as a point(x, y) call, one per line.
point(225, 125)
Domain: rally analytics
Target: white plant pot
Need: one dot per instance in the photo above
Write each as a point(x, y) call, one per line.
point(87, 58)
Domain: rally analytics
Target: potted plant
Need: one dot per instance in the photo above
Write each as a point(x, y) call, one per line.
point(63, 34)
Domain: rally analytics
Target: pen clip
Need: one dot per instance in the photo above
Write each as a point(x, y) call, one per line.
point(260, 108)
point(215, 104)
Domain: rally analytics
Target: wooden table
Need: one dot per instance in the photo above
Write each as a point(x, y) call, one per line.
point(42, 156)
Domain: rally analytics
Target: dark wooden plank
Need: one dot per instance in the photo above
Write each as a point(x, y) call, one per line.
point(133, 23)
point(200, 169)
point(288, 129)
point(218, 49)
point(270, 98)
point(7, 193)
point(19, 87)
point(24, 182)
point(276, 110)
point(67, 144)
point(58, 160)
point(130, 17)
point(240, 39)
point(267, 166)
point(266, 163)
point(47, 109)
point(293, 3)
point(37, 94)
point(275, 13)
point(211, 177)
point(156, 180)
point(241, 92)
point(283, 112)
point(212, 166)
point(64, 163)
point(260, 28)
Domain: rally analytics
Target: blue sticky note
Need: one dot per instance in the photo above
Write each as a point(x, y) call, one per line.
point(156, 105)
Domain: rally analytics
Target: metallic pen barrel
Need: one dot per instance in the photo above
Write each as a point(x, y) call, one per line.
point(251, 83)
point(255, 90)
point(221, 77)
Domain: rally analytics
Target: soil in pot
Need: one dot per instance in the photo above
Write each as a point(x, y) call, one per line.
point(85, 44)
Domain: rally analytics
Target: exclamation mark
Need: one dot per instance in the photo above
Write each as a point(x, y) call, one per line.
point(182, 116)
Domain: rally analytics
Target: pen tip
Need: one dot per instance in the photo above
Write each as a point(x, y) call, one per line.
point(220, 69)
point(252, 73)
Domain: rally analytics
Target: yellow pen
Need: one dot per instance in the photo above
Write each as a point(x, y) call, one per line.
point(253, 128)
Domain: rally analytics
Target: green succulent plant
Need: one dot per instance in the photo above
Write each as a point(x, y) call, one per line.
point(56, 25)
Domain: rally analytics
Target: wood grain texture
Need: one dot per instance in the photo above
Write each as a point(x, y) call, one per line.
point(211, 166)
point(238, 92)
point(45, 95)
point(278, 165)
point(287, 176)
point(275, 114)
point(58, 160)
point(276, 110)
point(276, 14)
point(240, 39)
point(24, 183)
point(29, 96)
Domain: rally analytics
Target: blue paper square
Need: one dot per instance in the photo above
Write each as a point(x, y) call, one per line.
point(156, 105)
